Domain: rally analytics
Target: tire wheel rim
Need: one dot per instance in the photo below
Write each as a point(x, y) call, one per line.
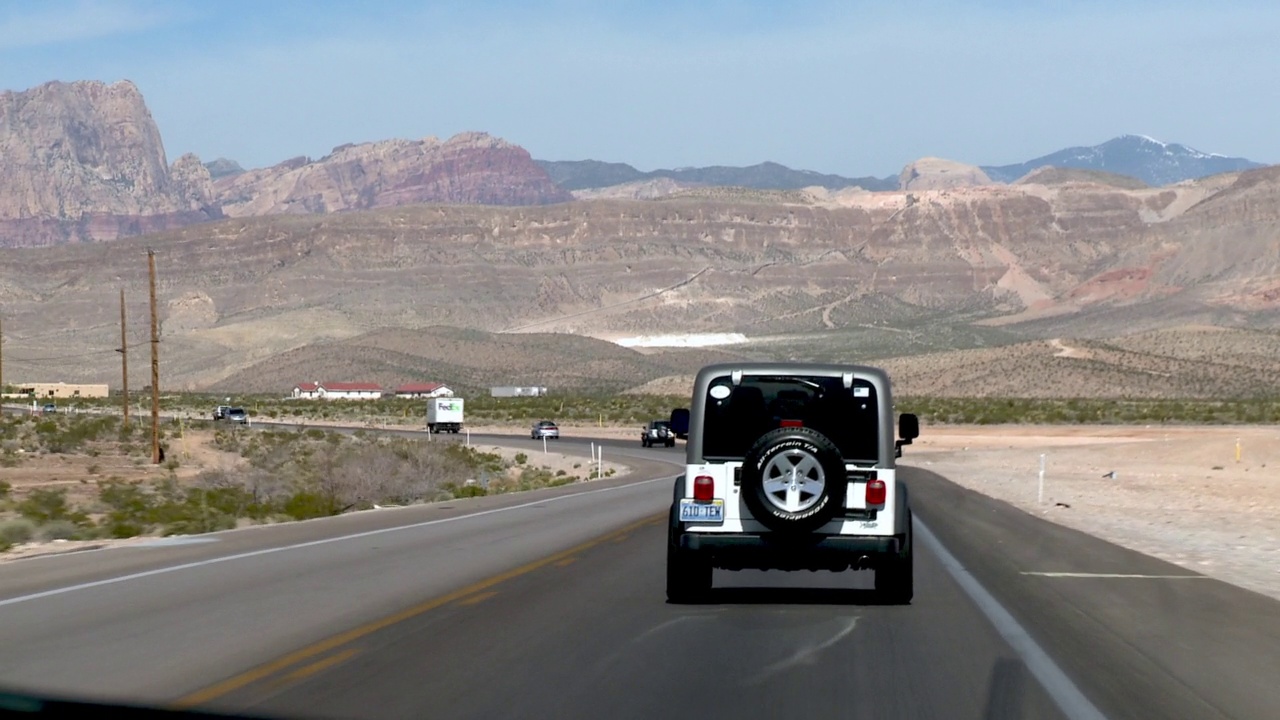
point(793, 481)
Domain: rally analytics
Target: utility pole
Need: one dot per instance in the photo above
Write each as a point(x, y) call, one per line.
point(124, 363)
point(155, 362)
point(1, 360)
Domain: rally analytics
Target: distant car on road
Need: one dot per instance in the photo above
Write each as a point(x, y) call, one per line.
point(220, 412)
point(238, 415)
point(658, 432)
point(544, 429)
point(49, 408)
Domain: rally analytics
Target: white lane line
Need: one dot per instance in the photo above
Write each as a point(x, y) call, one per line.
point(1064, 693)
point(314, 543)
point(1114, 575)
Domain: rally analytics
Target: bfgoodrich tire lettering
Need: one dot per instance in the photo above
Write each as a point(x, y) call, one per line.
point(793, 480)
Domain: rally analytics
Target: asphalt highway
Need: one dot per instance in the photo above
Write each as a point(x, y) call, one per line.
point(551, 604)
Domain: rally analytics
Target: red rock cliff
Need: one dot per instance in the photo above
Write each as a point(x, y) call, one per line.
point(83, 161)
point(469, 168)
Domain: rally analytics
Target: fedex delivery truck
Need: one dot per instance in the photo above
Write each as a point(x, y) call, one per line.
point(444, 414)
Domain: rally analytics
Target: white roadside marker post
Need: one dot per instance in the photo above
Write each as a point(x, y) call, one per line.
point(544, 443)
point(1040, 493)
point(600, 464)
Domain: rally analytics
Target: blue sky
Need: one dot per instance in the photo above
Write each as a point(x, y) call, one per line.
point(857, 88)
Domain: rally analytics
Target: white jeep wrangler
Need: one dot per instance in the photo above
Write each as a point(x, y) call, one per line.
point(790, 466)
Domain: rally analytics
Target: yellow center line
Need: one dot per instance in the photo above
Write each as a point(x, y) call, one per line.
point(315, 667)
point(478, 598)
point(566, 562)
point(236, 682)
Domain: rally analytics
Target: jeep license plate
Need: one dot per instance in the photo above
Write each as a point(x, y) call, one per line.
point(701, 511)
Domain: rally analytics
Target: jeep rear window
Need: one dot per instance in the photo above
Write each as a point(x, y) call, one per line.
point(740, 415)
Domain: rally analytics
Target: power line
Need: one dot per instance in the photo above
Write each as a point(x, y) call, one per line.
point(76, 356)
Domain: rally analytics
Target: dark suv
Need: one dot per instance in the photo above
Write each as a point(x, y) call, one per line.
point(790, 466)
point(658, 432)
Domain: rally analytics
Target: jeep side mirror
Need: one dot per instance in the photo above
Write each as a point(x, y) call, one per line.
point(908, 427)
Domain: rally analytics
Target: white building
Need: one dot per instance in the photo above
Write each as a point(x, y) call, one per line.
point(513, 391)
point(337, 391)
point(423, 390)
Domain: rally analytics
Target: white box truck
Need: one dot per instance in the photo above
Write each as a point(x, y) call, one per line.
point(444, 414)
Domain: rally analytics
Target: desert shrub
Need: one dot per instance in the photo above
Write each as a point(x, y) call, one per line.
point(44, 505)
point(306, 504)
point(532, 478)
point(15, 532)
point(129, 507)
point(63, 530)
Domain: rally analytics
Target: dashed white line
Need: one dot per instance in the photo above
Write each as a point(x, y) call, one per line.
point(1059, 687)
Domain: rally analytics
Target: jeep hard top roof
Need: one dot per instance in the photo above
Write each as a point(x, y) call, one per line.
point(859, 375)
point(874, 375)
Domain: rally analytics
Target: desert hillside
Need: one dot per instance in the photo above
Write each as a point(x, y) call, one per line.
point(802, 275)
point(1205, 363)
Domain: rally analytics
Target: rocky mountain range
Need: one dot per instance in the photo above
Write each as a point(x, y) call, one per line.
point(308, 264)
point(812, 274)
point(469, 168)
point(590, 174)
point(84, 161)
point(1141, 158)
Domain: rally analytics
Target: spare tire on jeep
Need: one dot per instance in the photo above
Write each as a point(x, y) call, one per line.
point(794, 480)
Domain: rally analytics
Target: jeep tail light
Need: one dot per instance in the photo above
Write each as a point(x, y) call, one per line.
point(704, 488)
point(791, 423)
point(875, 492)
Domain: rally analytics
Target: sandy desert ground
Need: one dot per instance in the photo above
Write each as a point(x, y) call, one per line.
point(1178, 494)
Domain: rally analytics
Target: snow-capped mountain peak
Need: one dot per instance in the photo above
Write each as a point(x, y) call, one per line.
point(1141, 156)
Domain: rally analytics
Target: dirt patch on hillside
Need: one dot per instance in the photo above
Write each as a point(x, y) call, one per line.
point(1178, 494)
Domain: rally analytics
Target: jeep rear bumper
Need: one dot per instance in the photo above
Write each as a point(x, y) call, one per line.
point(733, 551)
